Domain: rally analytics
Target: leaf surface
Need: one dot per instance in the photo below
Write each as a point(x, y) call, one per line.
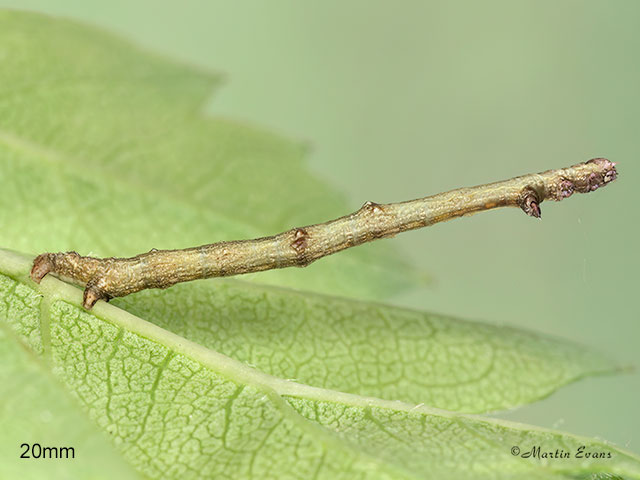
point(177, 409)
point(37, 412)
point(369, 348)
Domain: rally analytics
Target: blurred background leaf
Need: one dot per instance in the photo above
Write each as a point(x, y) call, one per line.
point(105, 150)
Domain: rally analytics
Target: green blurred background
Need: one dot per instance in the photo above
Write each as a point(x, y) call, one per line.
point(402, 99)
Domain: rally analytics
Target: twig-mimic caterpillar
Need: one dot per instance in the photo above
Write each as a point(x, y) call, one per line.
point(106, 278)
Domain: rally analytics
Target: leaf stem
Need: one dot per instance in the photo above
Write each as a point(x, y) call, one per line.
point(106, 278)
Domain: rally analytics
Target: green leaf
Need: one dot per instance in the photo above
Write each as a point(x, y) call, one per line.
point(368, 348)
point(107, 152)
point(103, 150)
point(37, 411)
point(176, 409)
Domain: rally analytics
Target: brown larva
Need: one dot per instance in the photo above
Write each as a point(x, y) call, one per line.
point(106, 278)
